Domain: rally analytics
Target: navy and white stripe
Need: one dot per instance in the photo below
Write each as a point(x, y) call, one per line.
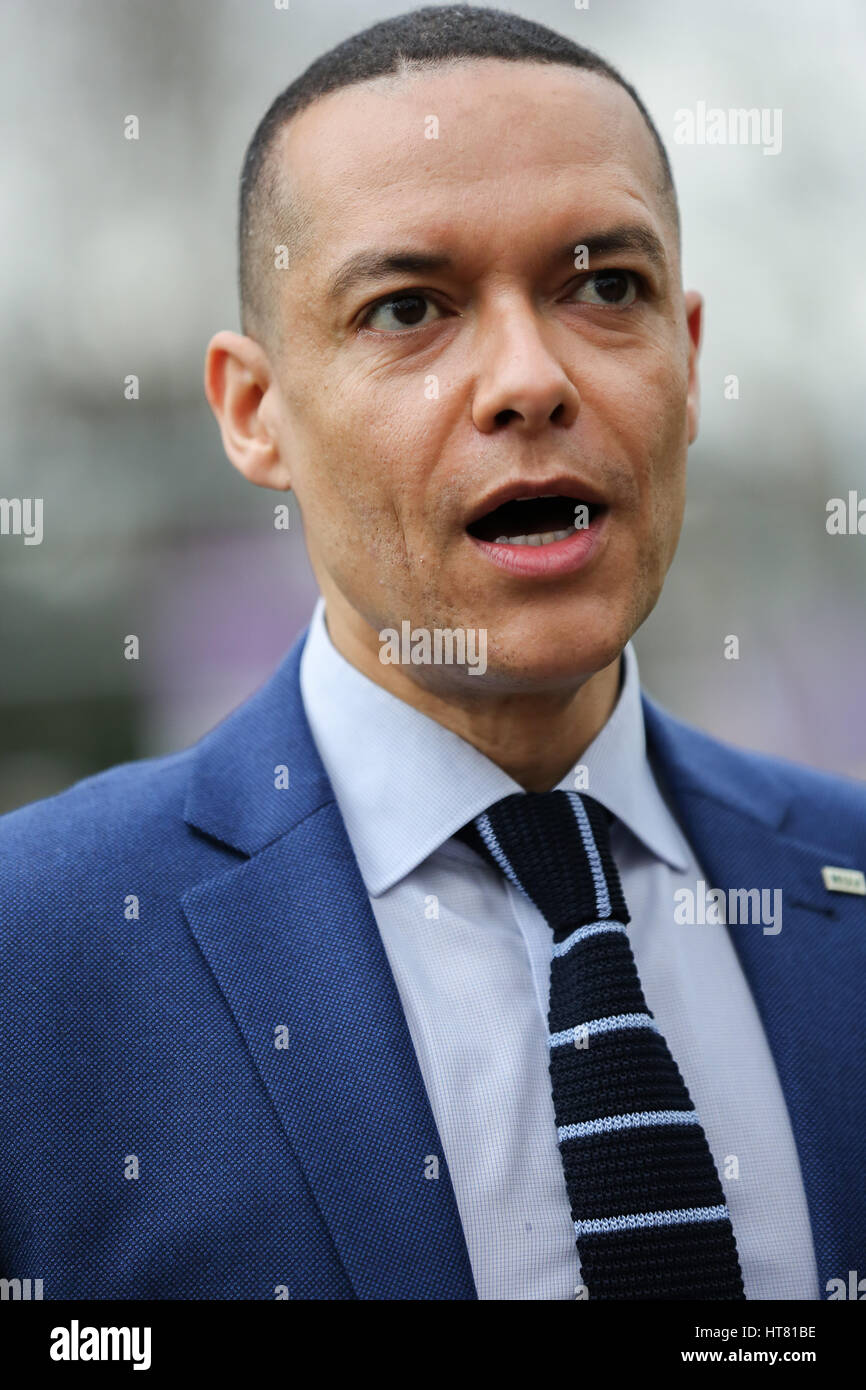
point(599, 883)
point(649, 1213)
point(642, 1120)
point(561, 948)
point(650, 1218)
point(582, 1031)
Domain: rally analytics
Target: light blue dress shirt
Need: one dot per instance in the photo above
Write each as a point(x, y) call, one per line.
point(471, 959)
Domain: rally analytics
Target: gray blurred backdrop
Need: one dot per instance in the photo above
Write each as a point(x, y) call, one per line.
point(119, 257)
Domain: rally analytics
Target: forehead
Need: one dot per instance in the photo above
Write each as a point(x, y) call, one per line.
point(467, 147)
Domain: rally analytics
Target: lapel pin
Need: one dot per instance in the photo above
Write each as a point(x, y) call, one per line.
point(844, 880)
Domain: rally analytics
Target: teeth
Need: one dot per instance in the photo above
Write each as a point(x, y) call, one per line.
point(543, 538)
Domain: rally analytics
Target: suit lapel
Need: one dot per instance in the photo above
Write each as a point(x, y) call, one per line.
point(806, 981)
point(290, 937)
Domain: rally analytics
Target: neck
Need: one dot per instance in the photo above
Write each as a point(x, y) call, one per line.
point(536, 737)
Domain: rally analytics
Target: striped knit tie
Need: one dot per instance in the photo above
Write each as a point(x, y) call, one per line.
point(649, 1213)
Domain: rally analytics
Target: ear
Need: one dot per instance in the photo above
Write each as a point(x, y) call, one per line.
point(242, 394)
point(694, 323)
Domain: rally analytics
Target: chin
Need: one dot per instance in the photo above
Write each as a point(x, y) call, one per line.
point(575, 638)
point(557, 663)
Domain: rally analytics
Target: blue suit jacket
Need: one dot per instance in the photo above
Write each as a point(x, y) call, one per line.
point(156, 1142)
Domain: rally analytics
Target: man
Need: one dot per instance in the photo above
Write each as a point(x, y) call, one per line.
point(327, 1006)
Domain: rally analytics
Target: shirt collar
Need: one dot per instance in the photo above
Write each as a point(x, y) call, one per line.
point(405, 785)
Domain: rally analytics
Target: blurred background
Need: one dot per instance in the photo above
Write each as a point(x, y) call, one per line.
point(119, 258)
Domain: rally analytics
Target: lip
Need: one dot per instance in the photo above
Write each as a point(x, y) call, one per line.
point(542, 561)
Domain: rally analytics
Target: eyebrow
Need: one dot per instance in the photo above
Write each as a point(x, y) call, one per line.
point(377, 265)
point(629, 237)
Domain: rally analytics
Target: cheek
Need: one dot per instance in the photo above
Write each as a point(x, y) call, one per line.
point(645, 414)
point(664, 500)
point(656, 405)
point(369, 444)
point(363, 479)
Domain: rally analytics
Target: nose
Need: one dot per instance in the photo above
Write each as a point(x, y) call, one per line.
point(520, 383)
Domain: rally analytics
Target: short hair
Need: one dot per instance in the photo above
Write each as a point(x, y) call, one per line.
point(422, 38)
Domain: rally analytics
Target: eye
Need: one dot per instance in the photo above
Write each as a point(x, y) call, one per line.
point(401, 311)
point(615, 288)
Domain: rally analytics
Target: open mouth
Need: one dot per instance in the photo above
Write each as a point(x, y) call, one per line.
point(534, 520)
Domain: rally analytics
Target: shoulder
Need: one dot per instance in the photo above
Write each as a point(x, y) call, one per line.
point(804, 799)
point(116, 802)
point(107, 832)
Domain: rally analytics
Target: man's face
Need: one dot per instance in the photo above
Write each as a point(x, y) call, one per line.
point(409, 403)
